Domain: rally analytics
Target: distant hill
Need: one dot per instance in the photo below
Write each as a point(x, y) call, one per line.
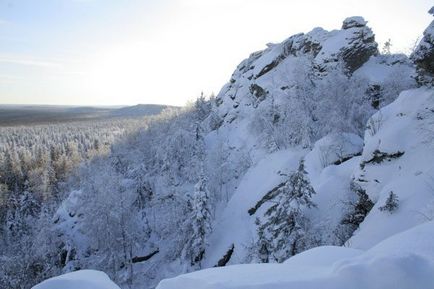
point(139, 110)
point(13, 115)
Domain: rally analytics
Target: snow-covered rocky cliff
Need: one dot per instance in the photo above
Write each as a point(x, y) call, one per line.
point(307, 146)
point(392, 247)
point(380, 186)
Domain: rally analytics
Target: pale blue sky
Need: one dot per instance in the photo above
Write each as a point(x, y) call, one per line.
point(110, 52)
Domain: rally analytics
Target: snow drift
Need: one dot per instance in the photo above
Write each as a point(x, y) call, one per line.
point(404, 261)
point(84, 279)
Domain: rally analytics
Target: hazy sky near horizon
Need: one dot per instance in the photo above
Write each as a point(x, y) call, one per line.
point(114, 52)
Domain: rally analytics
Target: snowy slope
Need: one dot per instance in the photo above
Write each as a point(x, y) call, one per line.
point(84, 279)
point(399, 253)
point(330, 165)
point(269, 78)
point(404, 261)
point(235, 226)
point(405, 126)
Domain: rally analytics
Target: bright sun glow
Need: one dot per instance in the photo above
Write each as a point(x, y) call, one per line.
point(110, 52)
point(119, 72)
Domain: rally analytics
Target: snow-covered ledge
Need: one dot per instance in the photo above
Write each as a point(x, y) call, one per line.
point(83, 279)
point(403, 261)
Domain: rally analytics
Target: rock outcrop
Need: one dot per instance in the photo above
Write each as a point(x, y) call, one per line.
point(423, 56)
point(360, 45)
point(274, 72)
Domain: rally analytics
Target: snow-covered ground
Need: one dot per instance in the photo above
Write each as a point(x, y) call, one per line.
point(404, 261)
point(84, 279)
point(235, 226)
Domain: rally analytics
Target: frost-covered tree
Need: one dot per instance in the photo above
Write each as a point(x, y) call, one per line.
point(386, 47)
point(283, 231)
point(27, 254)
point(200, 219)
point(313, 106)
point(218, 166)
point(38, 167)
point(112, 223)
point(202, 107)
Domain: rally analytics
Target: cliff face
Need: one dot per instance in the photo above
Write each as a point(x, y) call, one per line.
point(308, 74)
point(308, 97)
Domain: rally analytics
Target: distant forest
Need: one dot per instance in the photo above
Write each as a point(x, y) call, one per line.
point(13, 115)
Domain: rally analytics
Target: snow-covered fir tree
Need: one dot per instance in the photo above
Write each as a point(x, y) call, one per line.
point(283, 232)
point(200, 219)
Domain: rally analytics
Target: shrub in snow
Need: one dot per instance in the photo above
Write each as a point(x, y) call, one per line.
point(392, 203)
